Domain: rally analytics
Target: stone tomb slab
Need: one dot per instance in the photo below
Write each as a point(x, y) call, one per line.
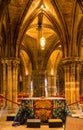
point(10, 117)
point(54, 123)
point(33, 123)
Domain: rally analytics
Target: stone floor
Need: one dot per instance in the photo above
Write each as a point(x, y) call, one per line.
point(7, 125)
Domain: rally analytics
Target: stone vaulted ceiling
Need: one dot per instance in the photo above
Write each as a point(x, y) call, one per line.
point(23, 22)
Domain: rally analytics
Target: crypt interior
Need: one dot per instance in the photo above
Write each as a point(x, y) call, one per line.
point(41, 49)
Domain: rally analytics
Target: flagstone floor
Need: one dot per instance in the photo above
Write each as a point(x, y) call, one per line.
point(7, 125)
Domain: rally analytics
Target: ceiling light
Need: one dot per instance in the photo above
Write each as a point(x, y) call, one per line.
point(42, 6)
point(42, 42)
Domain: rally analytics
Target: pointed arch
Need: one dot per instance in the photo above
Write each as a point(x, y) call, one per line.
point(51, 18)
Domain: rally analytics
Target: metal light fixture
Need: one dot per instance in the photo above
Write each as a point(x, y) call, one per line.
point(40, 26)
point(42, 42)
point(42, 38)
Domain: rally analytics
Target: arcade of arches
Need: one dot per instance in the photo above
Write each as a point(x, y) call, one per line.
point(56, 68)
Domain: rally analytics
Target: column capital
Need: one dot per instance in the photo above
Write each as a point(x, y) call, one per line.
point(71, 60)
point(10, 60)
point(16, 61)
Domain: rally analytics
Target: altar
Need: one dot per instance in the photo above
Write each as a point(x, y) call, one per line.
point(47, 108)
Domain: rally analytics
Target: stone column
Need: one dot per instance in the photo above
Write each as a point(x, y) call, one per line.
point(67, 83)
point(72, 79)
point(51, 85)
point(15, 81)
point(4, 83)
point(26, 84)
point(38, 79)
point(36, 83)
point(77, 81)
point(81, 80)
point(9, 82)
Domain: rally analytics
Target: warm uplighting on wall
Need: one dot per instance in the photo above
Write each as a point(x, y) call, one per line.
point(52, 72)
point(27, 72)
